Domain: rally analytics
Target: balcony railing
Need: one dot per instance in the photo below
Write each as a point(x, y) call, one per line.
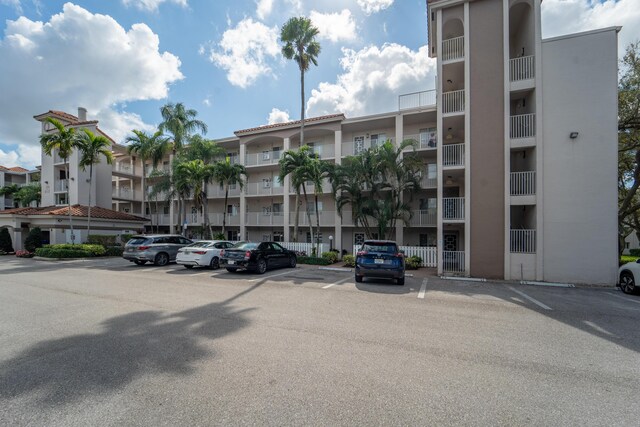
point(263, 158)
point(453, 261)
point(523, 126)
point(427, 182)
point(417, 99)
point(125, 168)
point(453, 49)
point(260, 189)
point(523, 241)
point(426, 217)
point(216, 219)
point(453, 102)
point(453, 155)
point(57, 158)
point(453, 208)
point(523, 183)
point(522, 68)
point(124, 193)
point(59, 186)
point(214, 190)
point(347, 219)
point(424, 140)
point(265, 218)
point(353, 148)
point(327, 218)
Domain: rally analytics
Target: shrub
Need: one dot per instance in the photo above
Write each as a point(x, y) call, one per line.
point(634, 252)
point(349, 260)
point(218, 236)
point(33, 240)
point(6, 245)
point(331, 256)
point(313, 260)
point(50, 252)
point(413, 262)
point(114, 250)
point(92, 250)
point(106, 240)
point(24, 254)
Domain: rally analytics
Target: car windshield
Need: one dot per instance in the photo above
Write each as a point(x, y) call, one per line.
point(203, 244)
point(245, 245)
point(387, 247)
point(136, 241)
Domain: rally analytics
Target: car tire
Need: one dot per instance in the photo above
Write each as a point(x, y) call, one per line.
point(627, 283)
point(232, 270)
point(261, 268)
point(161, 259)
point(400, 281)
point(215, 263)
point(140, 262)
point(293, 261)
point(188, 267)
point(358, 279)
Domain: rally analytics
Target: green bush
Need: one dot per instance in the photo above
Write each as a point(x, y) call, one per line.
point(6, 245)
point(92, 250)
point(313, 260)
point(413, 262)
point(634, 252)
point(114, 250)
point(62, 253)
point(349, 260)
point(218, 236)
point(33, 240)
point(106, 240)
point(331, 256)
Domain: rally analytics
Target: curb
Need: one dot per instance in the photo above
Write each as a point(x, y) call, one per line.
point(343, 269)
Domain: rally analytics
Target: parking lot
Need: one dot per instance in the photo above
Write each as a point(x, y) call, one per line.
point(108, 342)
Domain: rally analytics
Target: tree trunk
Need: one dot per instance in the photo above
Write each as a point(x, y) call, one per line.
point(301, 106)
point(144, 173)
point(297, 214)
point(155, 199)
point(224, 208)
point(66, 169)
point(306, 202)
point(205, 210)
point(89, 211)
point(317, 223)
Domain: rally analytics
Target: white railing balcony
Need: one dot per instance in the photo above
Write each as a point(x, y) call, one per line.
point(423, 140)
point(453, 155)
point(347, 219)
point(323, 150)
point(327, 218)
point(523, 126)
point(424, 218)
point(417, 99)
point(523, 241)
point(123, 193)
point(453, 261)
point(353, 148)
point(262, 189)
point(522, 68)
point(265, 218)
point(453, 102)
point(160, 170)
point(57, 159)
point(214, 190)
point(125, 168)
point(523, 183)
point(453, 49)
point(427, 182)
point(8, 202)
point(453, 208)
point(326, 188)
point(262, 158)
point(60, 186)
point(216, 219)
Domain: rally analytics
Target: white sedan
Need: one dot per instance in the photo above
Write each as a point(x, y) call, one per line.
point(627, 275)
point(204, 253)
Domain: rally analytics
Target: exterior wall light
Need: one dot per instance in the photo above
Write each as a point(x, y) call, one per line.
point(573, 135)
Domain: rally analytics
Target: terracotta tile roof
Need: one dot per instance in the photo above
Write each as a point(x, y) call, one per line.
point(76, 211)
point(14, 169)
point(296, 122)
point(60, 114)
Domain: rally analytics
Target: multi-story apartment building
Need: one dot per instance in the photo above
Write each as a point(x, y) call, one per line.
point(18, 176)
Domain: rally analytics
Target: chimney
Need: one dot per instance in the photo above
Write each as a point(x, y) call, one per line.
point(82, 114)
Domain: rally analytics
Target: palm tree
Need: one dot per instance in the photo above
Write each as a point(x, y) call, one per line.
point(199, 175)
point(27, 194)
point(227, 173)
point(10, 190)
point(298, 36)
point(92, 147)
point(315, 172)
point(294, 163)
point(180, 123)
point(63, 141)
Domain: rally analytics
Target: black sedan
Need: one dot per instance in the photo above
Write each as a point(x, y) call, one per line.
point(258, 257)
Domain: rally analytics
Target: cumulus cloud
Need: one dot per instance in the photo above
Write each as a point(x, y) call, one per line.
point(263, 8)
point(244, 51)
point(589, 15)
point(26, 156)
point(79, 59)
point(278, 116)
point(152, 5)
point(334, 27)
point(372, 80)
point(374, 6)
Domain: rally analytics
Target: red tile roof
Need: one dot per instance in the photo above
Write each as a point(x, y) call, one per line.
point(296, 122)
point(74, 121)
point(76, 211)
point(61, 114)
point(14, 169)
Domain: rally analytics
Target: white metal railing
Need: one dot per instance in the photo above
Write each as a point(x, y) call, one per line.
point(323, 150)
point(261, 188)
point(57, 158)
point(425, 217)
point(214, 190)
point(453, 48)
point(427, 182)
point(265, 218)
point(125, 168)
point(60, 186)
point(453, 208)
point(424, 140)
point(522, 68)
point(429, 254)
point(326, 187)
point(304, 247)
point(123, 193)
point(353, 148)
point(523, 183)
point(327, 218)
point(347, 219)
point(417, 99)
point(453, 155)
point(523, 241)
point(262, 158)
point(523, 126)
point(453, 102)
point(453, 261)
point(216, 219)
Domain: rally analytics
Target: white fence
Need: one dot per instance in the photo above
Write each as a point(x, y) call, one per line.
point(417, 99)
point(453, 261)
point(523, 183)
point(522, 68)
point(523, 126)
point(425, 217)
point(428, 254)
point(60, 186)
point(453, 102)
point(453, 49)
point(263, 158)
point(523, 241)
point(305, 247)
point(453, 208)
point(453, 155)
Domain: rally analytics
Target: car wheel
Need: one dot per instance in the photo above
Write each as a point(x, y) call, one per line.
point(627, 283)
point(358, 279)
point(161, 259)
point(293, 261)
point(232, 270)
point(400, 281)
point(215, 263)
point(262, 266)
point(188, 267)
point(138, 262)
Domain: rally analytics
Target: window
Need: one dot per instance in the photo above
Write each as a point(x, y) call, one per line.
point(428, 138)
point(315, 148)
point(232, 210)
point(277, 182)
point(311, 206)
point(266, 210)
point(358, 239)
point(232, 235)
point(432, 171)
point(165, 210)
point(278, 236)
point(378, 139)
point(266, 237)
point(277, 209)
point(266, 155)
point(266, 182)
point(184, 241)
point(626, 245)
point(358, 145)
point(232, 158)
point(276, 153)
point(318, 235)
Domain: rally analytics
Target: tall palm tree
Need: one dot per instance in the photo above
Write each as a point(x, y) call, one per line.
point(199, 175)
point(299, 38)
point(315, 172)
point(91, 148)
point(27, 194)
point(64, 140)
point(180, 123)
point(10, 190)
point(227, 173)
point(294, 163)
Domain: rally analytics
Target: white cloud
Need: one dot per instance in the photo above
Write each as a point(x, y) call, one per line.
point(374, 6)
point(13, 3)
point(206, 102)
point(152, 5)
point(26, 156)
point(372, 80)
point(244, 50)
point(109, 66)
point(334, 26)
point(263, 8)
point(589, 15)
point(278, 116)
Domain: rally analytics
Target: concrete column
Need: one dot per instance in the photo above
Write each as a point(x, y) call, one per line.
point(17, 239)
point(440, 234)
point(286, 206)
point(243, 201)
point(399, 136)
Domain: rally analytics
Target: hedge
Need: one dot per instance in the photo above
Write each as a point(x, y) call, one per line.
point(33, 240)
point(331, 256)
point(114, 250)
point(634, 252)
point(413, 262)
point(62, 253)
point(92, 250)
point(313, 260)
point(104, 240)
point(349, 261)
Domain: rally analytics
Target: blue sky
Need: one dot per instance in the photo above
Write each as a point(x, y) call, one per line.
point(124, 59)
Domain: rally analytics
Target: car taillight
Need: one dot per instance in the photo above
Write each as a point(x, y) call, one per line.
point(200, 252)
point(247, 255)
point(400, 254)
point(362, 253)
point(143, 248)
point(222, 252)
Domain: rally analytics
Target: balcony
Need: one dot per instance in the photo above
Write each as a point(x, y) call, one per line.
point(327, 218)
point(523, 183)
point(57, 159)
point(453, 209)
point(523, 126)
point(124, 168)
point(453, 49)
point(123, 193)
point(326, 188)
point(265, 218)
point(214, 191)
point(427, 182)
point(523, 241)
point(417, 100)
point(355, 147)
point(453, 102)
point(59, 186)
point(263, 158)
point(453, 155)
point(424, 218)
point(347, 219)
point(453, 261)
point(426, 141)
point(8, 202)
point(522, 68)
point(232, 219)
point(263, 189)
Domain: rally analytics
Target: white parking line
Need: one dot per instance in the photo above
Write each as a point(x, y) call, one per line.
point(627, 299)
point(423, 288)
point(336, 283)
point(533, 300)
point(268, 277)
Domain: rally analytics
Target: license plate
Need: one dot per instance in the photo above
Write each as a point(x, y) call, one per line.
point(231, 262)
point(378, 261)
